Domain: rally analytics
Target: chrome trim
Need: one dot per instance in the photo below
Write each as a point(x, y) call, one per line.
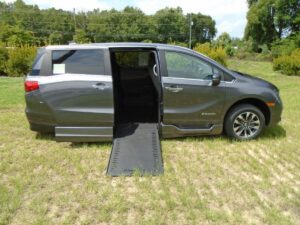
point(191, 79)
point(192, 130)
point(69, 77)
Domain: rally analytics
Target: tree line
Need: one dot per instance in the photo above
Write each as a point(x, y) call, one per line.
point(272, 32)
point(22, 24)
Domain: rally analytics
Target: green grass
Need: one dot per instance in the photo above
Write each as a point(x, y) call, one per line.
point(207, 180)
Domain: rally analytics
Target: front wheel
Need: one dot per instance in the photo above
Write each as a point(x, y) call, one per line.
point(244, 122)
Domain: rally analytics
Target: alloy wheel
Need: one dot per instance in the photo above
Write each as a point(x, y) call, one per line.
point(246, 125)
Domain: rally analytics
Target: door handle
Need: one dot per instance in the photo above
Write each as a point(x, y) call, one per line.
point(174, 89)
point(100, 86)
point(155, 69)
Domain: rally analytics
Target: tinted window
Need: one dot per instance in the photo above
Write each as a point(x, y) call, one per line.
point(185, 66)
point(78, 62)
point(227, 77)
point(37, 64)
point(135, 59)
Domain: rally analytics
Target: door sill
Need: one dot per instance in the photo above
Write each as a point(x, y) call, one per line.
point(174, 131)
point(83, 134)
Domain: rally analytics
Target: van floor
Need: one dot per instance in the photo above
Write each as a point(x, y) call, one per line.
point(136, 99)
point(136, 148)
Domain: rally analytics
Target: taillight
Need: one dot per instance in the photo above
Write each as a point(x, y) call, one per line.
point(31, 86)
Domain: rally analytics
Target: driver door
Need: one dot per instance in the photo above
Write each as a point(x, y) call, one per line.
point(189, 99)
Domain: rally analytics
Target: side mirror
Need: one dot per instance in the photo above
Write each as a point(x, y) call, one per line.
point(216, 79)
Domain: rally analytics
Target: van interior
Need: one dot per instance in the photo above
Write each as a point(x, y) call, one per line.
point(136, 87)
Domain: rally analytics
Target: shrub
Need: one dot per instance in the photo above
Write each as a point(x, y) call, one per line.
point(20, 60)
point(229, 50)
point(253, 56)
point(288, 64)
point(3, 60)
point(217, 53)
point(285, 46)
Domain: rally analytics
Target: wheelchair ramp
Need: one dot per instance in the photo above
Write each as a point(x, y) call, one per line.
point(136, 148)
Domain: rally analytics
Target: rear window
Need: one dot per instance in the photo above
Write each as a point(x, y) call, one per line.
point(78, 62)
point(37, 64)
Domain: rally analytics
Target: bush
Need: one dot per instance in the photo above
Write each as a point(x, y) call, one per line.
point(3, 60)
point(253, 56)
point(19, 61)
point(285, 46)
point(288, 64)
point(229, 50)
point(217, 53)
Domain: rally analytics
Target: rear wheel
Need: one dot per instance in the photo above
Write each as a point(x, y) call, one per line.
point(244, 122)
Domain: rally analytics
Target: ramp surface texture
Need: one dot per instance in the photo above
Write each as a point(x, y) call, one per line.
point(136, 147)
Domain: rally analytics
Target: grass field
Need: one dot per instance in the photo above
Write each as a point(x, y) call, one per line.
point(207, 180)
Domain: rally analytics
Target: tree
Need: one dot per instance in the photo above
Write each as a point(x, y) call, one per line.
point(203, 29)
point(22, 23)
point(261, 26)
point(223, 40)
point(287, 17)
point(251, 2)
point(269, 20)
point(55, 38)
point(171, 25)
point(81, 37)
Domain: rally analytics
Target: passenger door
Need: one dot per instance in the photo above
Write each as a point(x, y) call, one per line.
point(189, 98)
point(79, 92)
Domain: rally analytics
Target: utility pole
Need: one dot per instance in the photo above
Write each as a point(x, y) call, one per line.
point(190, 26)
point(74, 16)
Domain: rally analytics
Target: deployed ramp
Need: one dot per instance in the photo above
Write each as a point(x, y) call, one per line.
point(136, 147)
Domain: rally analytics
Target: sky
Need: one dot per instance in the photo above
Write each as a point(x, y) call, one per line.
point(230, 15)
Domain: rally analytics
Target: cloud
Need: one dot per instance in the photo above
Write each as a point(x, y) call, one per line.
point(230, 15)
point(215, 8)
point(232, 26)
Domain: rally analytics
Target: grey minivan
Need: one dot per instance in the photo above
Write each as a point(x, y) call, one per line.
point(83, 92)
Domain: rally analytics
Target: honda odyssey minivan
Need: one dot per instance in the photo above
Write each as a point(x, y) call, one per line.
point(84, 92)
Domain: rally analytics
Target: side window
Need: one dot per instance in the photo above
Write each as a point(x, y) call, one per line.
point(227, 77)
point(37, 64)
point(181, 65)
point(78, 62)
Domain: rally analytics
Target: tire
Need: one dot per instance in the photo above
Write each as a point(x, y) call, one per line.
point(244, 122)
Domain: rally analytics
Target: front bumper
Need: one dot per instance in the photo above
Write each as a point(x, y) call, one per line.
point(276, 113)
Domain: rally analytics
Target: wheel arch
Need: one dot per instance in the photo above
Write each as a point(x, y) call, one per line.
point(261, 105)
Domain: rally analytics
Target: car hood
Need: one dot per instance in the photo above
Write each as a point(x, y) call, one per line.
point(255, 80)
